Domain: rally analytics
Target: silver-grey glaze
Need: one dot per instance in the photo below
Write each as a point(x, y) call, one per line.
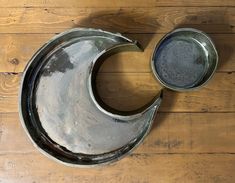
point(58, 107)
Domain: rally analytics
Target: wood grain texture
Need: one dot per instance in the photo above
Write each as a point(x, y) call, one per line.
point(114, 3)
point(117, 89)
point(17, 49)
point(192, 139)
point(188, 168)
point(8, 92)
point(171, 133)
point(138, 89)
point(127, 20)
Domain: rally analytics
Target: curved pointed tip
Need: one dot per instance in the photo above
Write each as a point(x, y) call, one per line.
point(158, 99)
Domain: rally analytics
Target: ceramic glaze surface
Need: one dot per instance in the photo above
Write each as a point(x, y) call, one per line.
point(181, 62)
point(59, 110)
point(184, 59)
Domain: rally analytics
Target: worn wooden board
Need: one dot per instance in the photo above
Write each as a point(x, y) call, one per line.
point(114, 3)
point(17, 49)
point(217, 96)
point(128, 20)
point(29, 168)
point(138, 89)
point(171, 133)
point(192, 139)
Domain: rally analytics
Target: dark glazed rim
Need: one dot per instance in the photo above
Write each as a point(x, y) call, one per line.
point(201, 84)
point(44, 144)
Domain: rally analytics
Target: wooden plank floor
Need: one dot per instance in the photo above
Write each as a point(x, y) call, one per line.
point(193, 136)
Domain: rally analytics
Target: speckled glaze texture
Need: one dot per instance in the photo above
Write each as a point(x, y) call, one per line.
point(184, 59)
point(59, 110)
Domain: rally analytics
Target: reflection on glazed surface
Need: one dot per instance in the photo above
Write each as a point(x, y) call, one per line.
point(65, 109)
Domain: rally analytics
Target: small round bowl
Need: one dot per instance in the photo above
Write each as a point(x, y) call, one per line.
point(184, 59)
